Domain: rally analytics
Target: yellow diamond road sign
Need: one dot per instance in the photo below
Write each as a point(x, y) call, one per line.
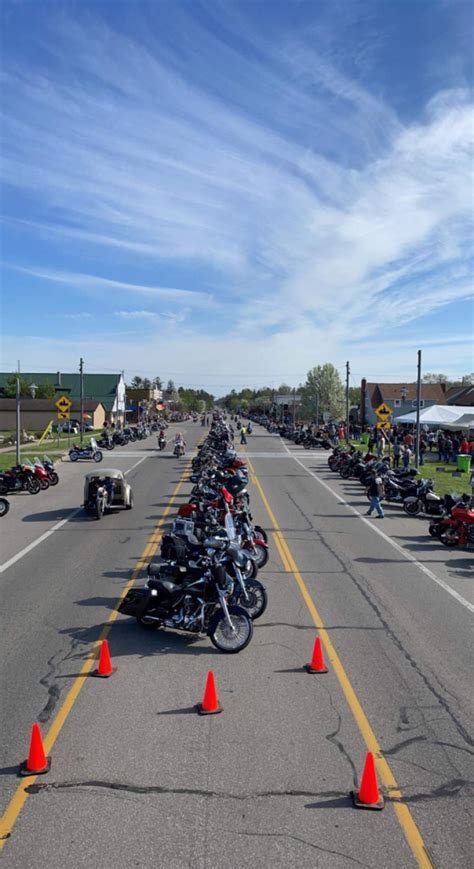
point(383, 411)
point(384, 425)
point(63, 414)
point(63, 404)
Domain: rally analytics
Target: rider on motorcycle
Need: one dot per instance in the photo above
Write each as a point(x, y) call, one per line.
point(179, 441)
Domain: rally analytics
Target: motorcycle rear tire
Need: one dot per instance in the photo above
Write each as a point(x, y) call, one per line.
point(4, 506)
point(33, 485)
point(222, 639)
point(74, 456)
point(98, 456)
point(412, 509)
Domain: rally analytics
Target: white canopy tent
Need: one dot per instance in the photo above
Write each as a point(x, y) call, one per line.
point(441, 415)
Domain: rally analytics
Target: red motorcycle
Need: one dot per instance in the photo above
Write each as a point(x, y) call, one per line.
point(458, 529)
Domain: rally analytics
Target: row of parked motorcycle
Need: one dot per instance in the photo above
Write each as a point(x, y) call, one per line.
point(93, 451)
point(206, 579)
point(29, 476)
point(451, 516)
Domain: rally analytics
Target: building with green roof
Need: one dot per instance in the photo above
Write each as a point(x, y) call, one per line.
point(109, 389)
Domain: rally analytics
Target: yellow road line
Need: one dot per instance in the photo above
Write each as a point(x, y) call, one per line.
point(15, 806)
point(407, 823)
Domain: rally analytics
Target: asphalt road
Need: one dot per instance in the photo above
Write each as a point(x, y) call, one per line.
point(139, 779)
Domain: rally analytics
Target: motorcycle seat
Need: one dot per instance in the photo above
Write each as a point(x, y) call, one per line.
point(165, 585)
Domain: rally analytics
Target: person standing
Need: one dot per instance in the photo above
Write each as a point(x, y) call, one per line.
point(397, 451)
point(376, 491)
point(423, 446)
point(406, 456)
point(243, 431)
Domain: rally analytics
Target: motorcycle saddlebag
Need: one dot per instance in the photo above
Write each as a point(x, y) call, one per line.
point(135, 602)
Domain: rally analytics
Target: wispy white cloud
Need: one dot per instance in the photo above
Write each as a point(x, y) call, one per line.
point(233, 177)
point(80, 315)
point(136, 315)
point(94, 282)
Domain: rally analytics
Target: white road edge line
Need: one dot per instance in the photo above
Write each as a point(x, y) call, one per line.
point(409, 557)
point(51, 531)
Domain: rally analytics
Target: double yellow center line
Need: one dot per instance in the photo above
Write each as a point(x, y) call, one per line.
point(402, 811)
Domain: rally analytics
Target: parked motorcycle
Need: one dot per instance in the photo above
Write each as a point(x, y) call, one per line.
point(196, 604)
point(19, 478)
point(91, 452)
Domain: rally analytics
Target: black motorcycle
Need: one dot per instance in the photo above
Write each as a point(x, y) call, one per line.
point(196, 601)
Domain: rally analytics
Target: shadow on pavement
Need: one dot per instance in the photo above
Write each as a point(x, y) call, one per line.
point(61, 513)
point(342, 802)
point(127, 638)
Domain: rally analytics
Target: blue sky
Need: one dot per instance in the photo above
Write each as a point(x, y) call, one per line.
point(228, 193)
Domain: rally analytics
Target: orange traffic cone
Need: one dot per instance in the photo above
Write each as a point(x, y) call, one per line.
point(105, 664)
point(37, 762)
point(317, 662)
point(369, 796)
point(210, 704)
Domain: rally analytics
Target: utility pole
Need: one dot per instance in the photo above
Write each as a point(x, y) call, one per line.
point(81, 386)
point(418, 400)
point(317, 410)
point(347, 401)
point(18, 425)
point(294, 406)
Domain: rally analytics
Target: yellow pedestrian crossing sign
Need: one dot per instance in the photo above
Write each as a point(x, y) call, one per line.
point(383, 411)
point(63, 404)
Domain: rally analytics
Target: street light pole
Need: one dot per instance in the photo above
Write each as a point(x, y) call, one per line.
point(418, 400)
point(81, 386)
point(347, 402)
point(18, 426)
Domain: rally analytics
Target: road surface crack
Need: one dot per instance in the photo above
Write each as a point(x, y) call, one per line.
point(296, 839)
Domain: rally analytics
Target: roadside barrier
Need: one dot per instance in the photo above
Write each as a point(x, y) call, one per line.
point(37, 763)
point(210, 704)
point(317, 661)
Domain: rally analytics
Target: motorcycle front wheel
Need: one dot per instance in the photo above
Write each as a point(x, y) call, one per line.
point(260, 532)
point(98, 456)
point(53, 478)
point(44, 484)
point(223, 637)
point(4, 506)
point(33, 485)
point(257, 599)
point(412, 508)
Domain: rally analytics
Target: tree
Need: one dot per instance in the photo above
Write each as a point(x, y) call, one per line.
point(136, 383)
point(434, 378)
point(158, 383)
point(46, 390)
point(146, 384)
point(9, 389)
point(354, 396)
point(324, 391)
point(170, 387)
point(284, 389)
